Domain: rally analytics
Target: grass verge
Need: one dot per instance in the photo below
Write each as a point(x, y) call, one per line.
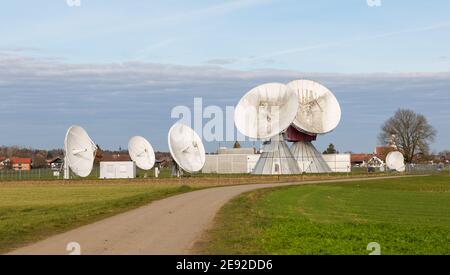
point(31, 212)
point(403, 215)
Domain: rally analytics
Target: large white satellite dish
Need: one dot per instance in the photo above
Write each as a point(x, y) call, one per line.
point(141, 152)
point(266, 111)
point(186, 148)
point(319, 111)
point(396, 161)
point(79, 151)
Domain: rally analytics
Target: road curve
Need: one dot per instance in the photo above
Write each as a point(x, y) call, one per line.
point(167, 227)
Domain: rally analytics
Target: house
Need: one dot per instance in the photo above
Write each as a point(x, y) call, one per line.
point(21, 164)
point(55, 164)
point(360, 160)
point(5, 163)
point(376, 159)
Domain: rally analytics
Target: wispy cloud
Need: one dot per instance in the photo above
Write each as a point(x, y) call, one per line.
point(193, 14)
point(221, 61)
point(146, 52)
point(222, 8)
point(437, 26)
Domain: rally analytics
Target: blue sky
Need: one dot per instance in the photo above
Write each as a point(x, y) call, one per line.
point(118, 67)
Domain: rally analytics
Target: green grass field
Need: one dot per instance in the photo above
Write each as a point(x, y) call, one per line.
point(30, 212)
point(404, 215)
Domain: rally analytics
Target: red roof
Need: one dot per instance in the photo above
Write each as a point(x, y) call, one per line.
point(21, 161)
point(54, 159)
point(360, 157)
point(381, 151)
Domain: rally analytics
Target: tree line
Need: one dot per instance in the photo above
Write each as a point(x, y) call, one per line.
point(40, 156)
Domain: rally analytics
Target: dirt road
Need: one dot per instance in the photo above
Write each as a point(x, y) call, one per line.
point(169, 226)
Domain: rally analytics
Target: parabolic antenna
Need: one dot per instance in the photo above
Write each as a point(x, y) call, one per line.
point(141, 152)
point(396, 161)
point(266, 111)
point(319, 111)
point(186, 148)
point(80, 151)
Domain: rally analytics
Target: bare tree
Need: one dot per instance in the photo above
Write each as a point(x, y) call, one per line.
point(39, 161)
point(410, 132)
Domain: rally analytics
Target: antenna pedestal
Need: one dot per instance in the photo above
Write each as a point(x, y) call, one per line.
point(309, 159)
point(176, 171)
point(66, 168)
point(276, 159)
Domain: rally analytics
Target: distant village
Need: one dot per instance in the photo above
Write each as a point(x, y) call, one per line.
point(25, 159)
point(378, 158)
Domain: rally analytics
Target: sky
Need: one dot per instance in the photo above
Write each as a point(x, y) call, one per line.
point(118, 67)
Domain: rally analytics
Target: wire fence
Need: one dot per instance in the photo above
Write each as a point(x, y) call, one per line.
point(50, 174)
point(427, 168)
point(55, 174)
point(38, 174)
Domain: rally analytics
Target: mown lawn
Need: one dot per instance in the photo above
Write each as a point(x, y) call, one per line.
point(404, 215)
point(30, 212)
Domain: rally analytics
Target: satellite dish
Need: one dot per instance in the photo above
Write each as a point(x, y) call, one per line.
point(266, 111)
point(396, 161)
point(80, 151)
point(319, 111)
point(186, 148)
point(141, 152)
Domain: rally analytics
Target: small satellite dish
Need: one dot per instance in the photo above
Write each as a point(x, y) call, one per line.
point(80, 152)
point(141, 152)
point(186, 148)
point(319, 111)
point(396, 161)
point(266, 111)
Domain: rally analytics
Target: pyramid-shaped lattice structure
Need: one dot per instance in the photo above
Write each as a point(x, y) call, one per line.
point(276, 159)
point(309, 159)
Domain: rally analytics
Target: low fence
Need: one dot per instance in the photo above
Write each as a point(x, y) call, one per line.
point(427, 168)
point(49, 174)
point(39, 174)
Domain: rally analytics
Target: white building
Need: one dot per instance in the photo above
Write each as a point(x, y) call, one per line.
point(339, 163)
point(231, 161)
point(117, 170)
